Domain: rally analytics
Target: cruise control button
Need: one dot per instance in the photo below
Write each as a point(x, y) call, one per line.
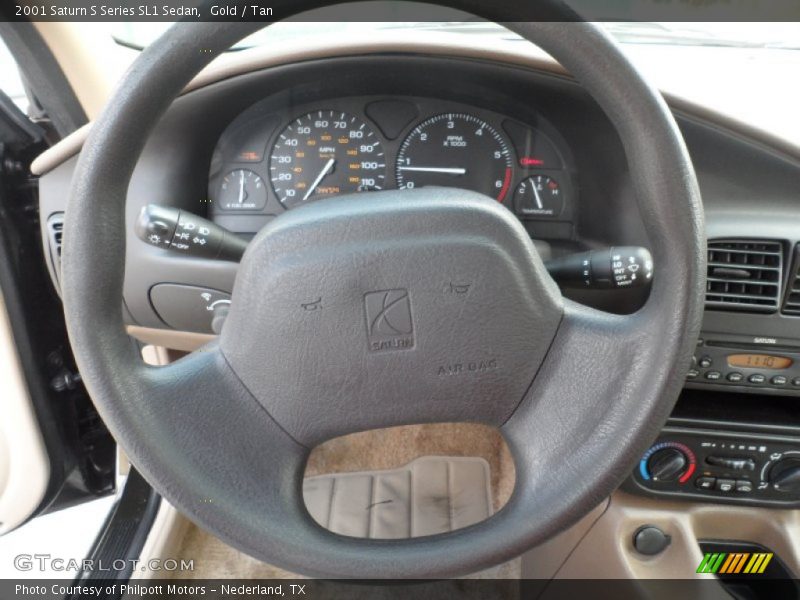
point(713, 375)
point(756, 378)
point(734, 377)
point(704, 362)
point(744, 486)
point(705, 483)
point(692, 374)
point(725, 485)
point(778, 380)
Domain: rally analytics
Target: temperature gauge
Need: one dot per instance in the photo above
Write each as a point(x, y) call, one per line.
point(242, 190)
point(539, 196)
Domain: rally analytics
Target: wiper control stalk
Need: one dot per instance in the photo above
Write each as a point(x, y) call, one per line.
point(182, 232)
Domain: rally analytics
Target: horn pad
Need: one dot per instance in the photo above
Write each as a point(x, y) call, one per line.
point(390, 308)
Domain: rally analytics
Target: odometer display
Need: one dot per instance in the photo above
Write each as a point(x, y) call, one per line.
point(325, 153)
point(456, 150)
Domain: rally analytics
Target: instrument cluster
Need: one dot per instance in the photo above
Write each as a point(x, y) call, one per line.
point(268, 161)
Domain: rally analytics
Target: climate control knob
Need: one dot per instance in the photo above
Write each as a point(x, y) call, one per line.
point(785, 475)
point(667, 464)
point(668, 461)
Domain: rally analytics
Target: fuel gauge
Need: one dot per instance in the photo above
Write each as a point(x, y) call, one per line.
point(242, 189)
point(539, 196)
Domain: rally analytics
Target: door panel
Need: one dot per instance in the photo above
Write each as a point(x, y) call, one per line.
point(24, 465)
point(55, 450)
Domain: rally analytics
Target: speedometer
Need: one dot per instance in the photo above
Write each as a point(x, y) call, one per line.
point(456, 150)
point(325, 153)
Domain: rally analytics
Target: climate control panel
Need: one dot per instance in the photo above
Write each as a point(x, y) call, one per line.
point(722, 467)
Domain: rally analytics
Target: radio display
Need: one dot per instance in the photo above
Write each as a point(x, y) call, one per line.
point(759, 361)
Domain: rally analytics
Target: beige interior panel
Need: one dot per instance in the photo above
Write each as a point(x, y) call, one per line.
point(394, 447)
point(544, 561)
point(430, 495)
point(163, 339)
point(601, 545)
point(24, 464)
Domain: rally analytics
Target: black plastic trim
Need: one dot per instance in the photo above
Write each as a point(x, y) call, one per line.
point(124, 533)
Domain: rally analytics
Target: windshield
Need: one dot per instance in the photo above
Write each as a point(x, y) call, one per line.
point(735, 35)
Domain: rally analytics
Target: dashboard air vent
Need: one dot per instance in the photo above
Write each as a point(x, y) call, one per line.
point(55, 230)
point(744, 275)
point(791, 303)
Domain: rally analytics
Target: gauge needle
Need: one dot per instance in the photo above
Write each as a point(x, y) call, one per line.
point(241, 187)
point(536, 194)
point(447, 170)
point(325, 170)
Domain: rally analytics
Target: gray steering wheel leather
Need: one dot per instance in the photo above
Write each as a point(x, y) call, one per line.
point(224, 433)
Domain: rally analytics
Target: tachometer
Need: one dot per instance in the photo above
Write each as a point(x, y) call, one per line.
point(325, 153)
point(456, 150)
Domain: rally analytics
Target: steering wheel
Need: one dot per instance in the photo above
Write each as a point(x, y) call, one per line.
point(223, 434)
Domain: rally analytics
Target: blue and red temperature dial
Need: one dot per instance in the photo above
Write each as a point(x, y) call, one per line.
point(668, 461)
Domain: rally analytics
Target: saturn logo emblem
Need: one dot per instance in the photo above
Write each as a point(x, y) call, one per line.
point(389, 322)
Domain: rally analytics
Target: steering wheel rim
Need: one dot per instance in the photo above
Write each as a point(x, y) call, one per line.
point(213, 446)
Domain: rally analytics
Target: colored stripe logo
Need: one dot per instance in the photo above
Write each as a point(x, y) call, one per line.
point(732, 563)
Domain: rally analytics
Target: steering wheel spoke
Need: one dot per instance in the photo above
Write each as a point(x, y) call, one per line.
point(199, 398)
point(583, 410)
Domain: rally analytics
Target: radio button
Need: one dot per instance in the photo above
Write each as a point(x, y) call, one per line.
point(705, 483)
point(734, 377)
point(692, 374)
point(778, 380)
point(796, 381)
point(725, 485)
point(704, 362)
point(713, 375)
point(756, 378)
point(744, 486)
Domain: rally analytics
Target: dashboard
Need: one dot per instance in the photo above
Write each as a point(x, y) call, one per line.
point(271, 158)
point(241, 149)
